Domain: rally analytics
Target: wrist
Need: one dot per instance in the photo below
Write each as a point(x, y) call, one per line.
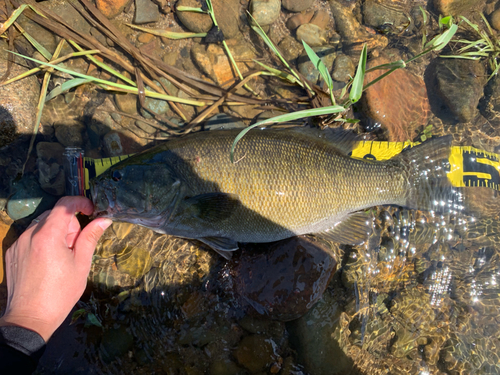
point(41, 327)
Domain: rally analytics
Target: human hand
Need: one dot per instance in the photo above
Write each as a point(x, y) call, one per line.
point(47, 267)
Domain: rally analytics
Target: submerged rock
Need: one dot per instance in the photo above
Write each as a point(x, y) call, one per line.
point(312, 34)
point(297, 5)
point(195, 22)
point(146, 11)
point(265, 12)
point(111, 8)
point(50, 167)
point(256, 353)
point(285, 279)
point(327, 54)
point(460, 84)
point(399, 108)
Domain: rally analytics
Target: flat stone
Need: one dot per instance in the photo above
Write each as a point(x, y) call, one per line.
point(126, 103)
point(290, 48)
point(297, 5)
point(299, 19)
point(213, 60)
point(111, 8)
point(400, 109)
point(323, 20)
point(146, 11)
point(227, 16)
point(43, 36)
point(313, 35)
point(265, 12)
point(195, 22)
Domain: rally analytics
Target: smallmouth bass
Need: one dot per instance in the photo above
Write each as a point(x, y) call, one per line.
point(283, 183)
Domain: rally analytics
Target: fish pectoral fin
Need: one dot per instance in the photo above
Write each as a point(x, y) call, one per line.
point(224, 246)
point(213, 206)
point(354, 230)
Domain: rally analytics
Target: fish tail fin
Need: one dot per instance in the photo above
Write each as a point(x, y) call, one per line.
point(427, 166)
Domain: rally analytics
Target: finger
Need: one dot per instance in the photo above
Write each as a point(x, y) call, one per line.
point(87, 241)
point(39, 219)
point(64, 211)
point(74, 230)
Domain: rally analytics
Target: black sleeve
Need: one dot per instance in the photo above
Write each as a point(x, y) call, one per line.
point(20, 350)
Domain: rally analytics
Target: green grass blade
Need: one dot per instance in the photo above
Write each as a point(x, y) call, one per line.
point(319, 65)
point(440, 41)
point(424, 15)
point(278, 73)
point(183, 8)
point(357, 83)
point(13, 17)
point(166, 33)
point(103, 65)
point(286, 117)
point(68, 85)
point(116, 85)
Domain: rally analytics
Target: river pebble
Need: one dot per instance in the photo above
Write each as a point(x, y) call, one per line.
point(265, 12)
point(297, 5)
point(111, 8)
point(299, 19)
point(495, 20)
point(256, 353)
point(376, 15)
point(195, 22)
point(126, 103)
point(460, 85)
point(343, 68)
point(455, 7)
point(401, 109)
point(158, 106)
point(227, 16)
point(313, 35)
point(290, 48)
point(146, 11)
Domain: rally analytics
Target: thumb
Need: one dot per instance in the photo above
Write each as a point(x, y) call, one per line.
point(87, 241)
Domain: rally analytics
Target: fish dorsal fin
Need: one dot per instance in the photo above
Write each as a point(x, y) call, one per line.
point(354, 230)
point(224, 246)
point(343, 140)
point(212, 206)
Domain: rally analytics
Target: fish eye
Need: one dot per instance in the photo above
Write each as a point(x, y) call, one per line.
point(116, 176)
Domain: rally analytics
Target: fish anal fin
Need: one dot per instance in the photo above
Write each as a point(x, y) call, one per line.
point(224, 246)
point(354, 230)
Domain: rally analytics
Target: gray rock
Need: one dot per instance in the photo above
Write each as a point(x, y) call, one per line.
point(50, 167)
point(222, 121)
point(43, 36)
point(327, 54)
point(18, 101)
point(297, 5)
point(290, 48)
point(314, 336)
point(460, 84)
point(146, 11)
point(195, 22)
point(376, 14)
point(70, 135)
point(313, 35)
point(69, 14)
point(28, 199)
point(343, 68)
point(265, 12)
point(157, 105)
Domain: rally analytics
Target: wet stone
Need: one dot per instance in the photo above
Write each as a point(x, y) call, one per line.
point(495, 19)
point(265, 12)
point(157, 105)
point(343, 68)
point(299, 19)
point(297, 5)
point(376, 14)
point(146, 11)
point(290, 48)
point(70, 135)
point(255, 353)
point(43, 36)
point(111, 8)
point(322, 19)
point(69, 14)
point(285, 279)
point(50, 167)
point(460, 85)
point(313, 35)
point(227, 16)
point(126, 103)
point(400, 109)
point(195, 22)
point(455, 7)
point(327, 54)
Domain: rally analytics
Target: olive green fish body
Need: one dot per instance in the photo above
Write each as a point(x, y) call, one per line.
point(282, 183)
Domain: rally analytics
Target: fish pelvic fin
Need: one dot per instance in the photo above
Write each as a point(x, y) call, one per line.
point(223, 246)
point(426, 167)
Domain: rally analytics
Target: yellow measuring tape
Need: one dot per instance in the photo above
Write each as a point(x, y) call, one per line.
point(469, 166)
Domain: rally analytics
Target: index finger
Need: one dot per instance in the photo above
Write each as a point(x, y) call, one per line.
point(61, 215)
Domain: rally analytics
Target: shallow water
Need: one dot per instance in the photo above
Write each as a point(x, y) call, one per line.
point(420, 297)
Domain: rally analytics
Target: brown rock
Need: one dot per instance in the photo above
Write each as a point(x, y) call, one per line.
point(195, 22)
point(400, 108)
point(145, 37)
point(297, 5)
point(227, 16)
point(111, 8)
point(322, 19)
point(455, 7)
point(299, 19)
point(213, 60)
point(495, 20)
